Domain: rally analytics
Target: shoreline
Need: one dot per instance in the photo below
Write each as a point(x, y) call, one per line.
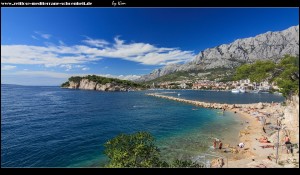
point(253, 154)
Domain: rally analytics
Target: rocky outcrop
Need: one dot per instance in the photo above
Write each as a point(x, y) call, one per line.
point(86, 84)
point(73, 85)
point(267, 46)
point(159, 72)
point(270, 45)
point(291, 118)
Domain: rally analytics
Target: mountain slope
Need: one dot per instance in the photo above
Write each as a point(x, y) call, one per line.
point(267, 46)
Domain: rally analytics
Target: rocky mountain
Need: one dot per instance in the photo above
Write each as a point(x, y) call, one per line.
point(159, 72)
point(267, 46)
point(98, 83)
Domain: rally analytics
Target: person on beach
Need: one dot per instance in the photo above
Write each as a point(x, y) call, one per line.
point(288, 143)
point(220, 144)
point(215, 143)
point(241, 145)
point(263, 140)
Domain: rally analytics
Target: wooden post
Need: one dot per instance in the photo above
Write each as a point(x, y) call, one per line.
point(278, 129)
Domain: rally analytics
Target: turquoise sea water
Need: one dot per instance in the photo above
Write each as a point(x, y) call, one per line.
point(54, 127)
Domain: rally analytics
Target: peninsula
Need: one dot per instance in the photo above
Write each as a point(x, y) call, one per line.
point(98, 83)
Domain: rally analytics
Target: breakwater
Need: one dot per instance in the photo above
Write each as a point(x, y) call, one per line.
point(259, 105)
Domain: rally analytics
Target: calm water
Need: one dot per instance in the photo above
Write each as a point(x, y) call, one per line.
point(54, 127)
point(226, 96)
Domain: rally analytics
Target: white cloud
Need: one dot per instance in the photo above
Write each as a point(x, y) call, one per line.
point(53, 55)
point(48, 56)
point(7, 67)
point(39, 74)
point(95, 42)
point(43, 35)
point(61, 42)
point(128, 77)
point(85, 68)
point(79, 66)
point(34, 37)
point(64, 75)
point(67, 66)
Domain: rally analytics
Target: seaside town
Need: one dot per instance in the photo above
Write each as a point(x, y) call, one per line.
point(244, 84)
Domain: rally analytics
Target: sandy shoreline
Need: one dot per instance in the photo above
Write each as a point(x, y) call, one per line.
point(254, 154)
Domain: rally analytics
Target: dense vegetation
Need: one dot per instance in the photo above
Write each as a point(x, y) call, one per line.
point(138, 150)
point(103, 80)
point(285, 73)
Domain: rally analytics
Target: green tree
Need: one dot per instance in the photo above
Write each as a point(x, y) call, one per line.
point(138, 150)
point(133, 150)
point(285, 73)
point(65, 84)
point(257, 72)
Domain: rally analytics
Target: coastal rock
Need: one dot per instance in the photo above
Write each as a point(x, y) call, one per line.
point(217, 163)
point(234, 150)
point(87, 85)
point(100, 87)
point(260, 106)
point(73, 85)
point(267, 46)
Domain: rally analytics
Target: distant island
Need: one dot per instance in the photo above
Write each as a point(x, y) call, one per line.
point(98, 83)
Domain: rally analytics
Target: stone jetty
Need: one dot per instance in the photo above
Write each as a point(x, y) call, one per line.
point(213, 105)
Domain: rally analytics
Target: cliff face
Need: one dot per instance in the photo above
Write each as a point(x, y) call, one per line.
point(159, 72)
point(291, 118)
point(86, 84)
point(267, 46)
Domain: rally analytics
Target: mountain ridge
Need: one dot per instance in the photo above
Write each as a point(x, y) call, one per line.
point(271, 45)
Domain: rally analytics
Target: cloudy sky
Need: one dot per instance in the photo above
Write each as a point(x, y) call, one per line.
point(45, 46)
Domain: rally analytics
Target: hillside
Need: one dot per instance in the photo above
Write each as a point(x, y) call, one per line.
point(93, 82)
point(267, 46)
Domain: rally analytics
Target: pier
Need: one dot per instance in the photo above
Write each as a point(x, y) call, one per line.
point(212, 105)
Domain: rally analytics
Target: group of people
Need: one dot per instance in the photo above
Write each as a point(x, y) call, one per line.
point(219, 142)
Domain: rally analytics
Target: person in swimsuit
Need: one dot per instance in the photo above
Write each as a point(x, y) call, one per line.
point(215, 144)
point(220, 144)
point(288, 143)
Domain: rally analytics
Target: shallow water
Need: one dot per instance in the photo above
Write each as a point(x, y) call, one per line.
point(54, 127)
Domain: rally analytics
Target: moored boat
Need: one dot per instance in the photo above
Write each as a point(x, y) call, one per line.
point(242, 90)
point(235, 91)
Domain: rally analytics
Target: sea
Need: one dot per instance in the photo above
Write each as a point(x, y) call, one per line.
point(47, 126)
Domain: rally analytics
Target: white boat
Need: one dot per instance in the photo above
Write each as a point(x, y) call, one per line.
point(235, 91)
point(178, 94)
point(242, 90)
point(254, 91)
point(277, 93)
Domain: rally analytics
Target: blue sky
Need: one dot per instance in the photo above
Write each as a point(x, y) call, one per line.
point(44, 46)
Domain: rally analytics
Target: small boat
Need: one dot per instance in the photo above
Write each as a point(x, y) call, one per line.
point(178, 94)
point(235, 91)
point(255, 91)
point(277, 93)
point(242, 90)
